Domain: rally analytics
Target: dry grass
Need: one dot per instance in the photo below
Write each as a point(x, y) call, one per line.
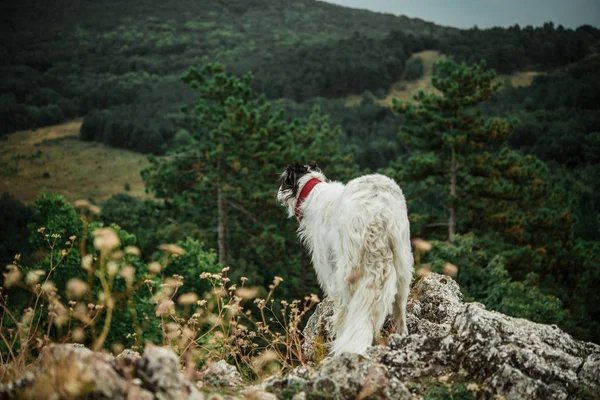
point(524, 78)
point(76, 169)
point(200, 328)
point(404, 91)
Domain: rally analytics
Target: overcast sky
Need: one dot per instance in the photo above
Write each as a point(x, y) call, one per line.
point(487, 13)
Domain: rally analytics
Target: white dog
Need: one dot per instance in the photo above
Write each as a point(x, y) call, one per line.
point(359, 239)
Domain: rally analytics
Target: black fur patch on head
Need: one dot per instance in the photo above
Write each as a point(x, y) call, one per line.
point(290, 178)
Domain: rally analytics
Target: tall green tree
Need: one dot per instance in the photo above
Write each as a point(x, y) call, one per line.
point(509, 200)
point(486, 187)
point(226, 177)
point(446, 133)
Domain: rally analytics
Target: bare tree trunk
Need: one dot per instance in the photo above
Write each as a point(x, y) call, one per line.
point(452, 220)
point(221, 226)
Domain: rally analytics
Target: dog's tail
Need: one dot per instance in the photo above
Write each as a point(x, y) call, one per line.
point(371, 291)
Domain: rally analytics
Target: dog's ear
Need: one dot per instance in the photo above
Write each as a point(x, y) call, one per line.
point(313, 166)
point(287, 180)
point(286, 177)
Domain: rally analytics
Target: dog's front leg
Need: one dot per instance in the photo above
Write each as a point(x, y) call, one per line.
point(341, 295)
point(337, 295)
point(340, 310)
point(403, 288)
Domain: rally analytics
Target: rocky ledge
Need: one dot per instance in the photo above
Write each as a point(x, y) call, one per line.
point(452, 342)
point(453, 348)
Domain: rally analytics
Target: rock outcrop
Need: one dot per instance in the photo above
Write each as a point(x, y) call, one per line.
point(221, 374)
point(457, 347)
point(348, 376)
point(452, 341)
point(75, 372)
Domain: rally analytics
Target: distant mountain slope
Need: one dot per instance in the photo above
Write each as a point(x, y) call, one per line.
point(60, 59)
point(119, 62)
point(223, 28)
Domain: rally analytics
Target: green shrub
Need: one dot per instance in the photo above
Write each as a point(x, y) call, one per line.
point(57, 216)
point(182, 139)
point(190, 265)
point(14, 219)
point(483, 278)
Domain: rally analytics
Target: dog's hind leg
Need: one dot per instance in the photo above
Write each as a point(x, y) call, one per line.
point(403, 262)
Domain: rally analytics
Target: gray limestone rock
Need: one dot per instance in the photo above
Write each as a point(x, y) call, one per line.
point(221, 374)
point(159, 372)
point(449, 343)
point(506, 356)
point(348, 376)
point(318, 332)
point(73, 371)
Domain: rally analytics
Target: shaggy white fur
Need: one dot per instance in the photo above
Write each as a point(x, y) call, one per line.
point(359, 239)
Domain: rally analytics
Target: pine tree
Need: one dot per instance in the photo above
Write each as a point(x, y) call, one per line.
point(226, 178)
point(461, 159)
point(446, 133)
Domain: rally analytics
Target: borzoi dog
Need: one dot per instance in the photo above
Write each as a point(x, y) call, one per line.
point(359, 239)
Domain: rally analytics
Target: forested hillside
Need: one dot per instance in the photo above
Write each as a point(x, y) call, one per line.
point(120, 62)
point(65, 58)
point(223, 95)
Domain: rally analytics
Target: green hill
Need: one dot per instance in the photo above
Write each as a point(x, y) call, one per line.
point(119, 62)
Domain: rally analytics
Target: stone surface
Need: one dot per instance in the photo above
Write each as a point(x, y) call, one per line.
point(159, 373)
point(349, 376)
point(257, 395)
point(318, 332)
point(73, 371)
point(506, 356)
point(451, 344)
point(520, 357)
point(221, 374)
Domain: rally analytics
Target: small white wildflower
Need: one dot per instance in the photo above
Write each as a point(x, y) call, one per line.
point(86, 262)
point(76, 288)
point(420, 244)
point(450, 270)
point(172, 249)
point(34, 276)
point(112, 268)
point(127, 273)
point(187, 299)
point(154, 267)
point(132, 250)
point(106, 239)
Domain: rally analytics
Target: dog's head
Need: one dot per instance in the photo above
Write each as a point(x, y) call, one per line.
point(293, 179)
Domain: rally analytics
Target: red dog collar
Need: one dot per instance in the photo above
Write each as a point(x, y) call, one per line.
point(304, 194)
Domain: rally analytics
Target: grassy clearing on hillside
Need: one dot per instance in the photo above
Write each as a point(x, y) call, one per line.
point(518, 79)
point(405, 90)
point(54, 159)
